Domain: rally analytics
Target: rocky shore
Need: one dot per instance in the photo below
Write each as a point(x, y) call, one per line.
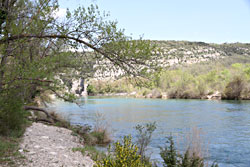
point(50, 146)
point(160, 95)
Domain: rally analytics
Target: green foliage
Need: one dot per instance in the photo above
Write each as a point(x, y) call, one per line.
point(90, 151)
point(124, 155)
point(63, 123)
point(12, 115)
point(102, 87)
point(101, 137)
point(194, 82)
point(169, 154)
point(92, 137)
point(37, 55)
point(172, 159)
point(144, 136)
point(127, 154)
point(91, 89)
point(6, 148)
point(234, 89)
point(9, 153)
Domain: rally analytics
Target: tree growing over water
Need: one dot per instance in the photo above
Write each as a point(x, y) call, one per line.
point(36, 48)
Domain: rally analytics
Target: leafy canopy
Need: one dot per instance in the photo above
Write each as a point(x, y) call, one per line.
point(37, 49)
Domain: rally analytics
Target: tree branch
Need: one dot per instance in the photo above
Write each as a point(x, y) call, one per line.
point(22, 36)
point(116, 61)
point(38, 109)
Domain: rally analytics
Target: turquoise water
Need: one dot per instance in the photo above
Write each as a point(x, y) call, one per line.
point(224, 125)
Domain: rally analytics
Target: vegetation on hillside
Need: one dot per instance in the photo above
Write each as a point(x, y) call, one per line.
point(227, 79)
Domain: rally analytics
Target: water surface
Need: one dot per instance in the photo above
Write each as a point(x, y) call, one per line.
point(224, 124)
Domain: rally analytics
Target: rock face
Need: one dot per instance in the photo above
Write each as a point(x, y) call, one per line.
point(79, 87)
point(49, 146)
point(184, 52)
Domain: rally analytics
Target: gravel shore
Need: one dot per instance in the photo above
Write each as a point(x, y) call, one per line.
point(50, 146)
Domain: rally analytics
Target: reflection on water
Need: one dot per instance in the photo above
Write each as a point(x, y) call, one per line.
point(226, 124)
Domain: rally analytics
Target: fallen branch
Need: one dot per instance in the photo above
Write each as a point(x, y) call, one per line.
point(44, 121)
point(49, 116)
point(38, 109)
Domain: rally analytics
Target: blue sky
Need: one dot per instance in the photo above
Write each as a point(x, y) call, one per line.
point(214, 21)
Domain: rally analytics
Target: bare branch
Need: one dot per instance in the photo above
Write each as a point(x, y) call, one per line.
point(38, 109)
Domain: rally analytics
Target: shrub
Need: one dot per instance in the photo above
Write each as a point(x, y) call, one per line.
point(91, 90)
point(101, 137)
point(101, 130)
point(144, 135)
point(169, 154)
point(156, 93)
point(59, 120)
point(92, 137)
point(189, 159)
point(90, 151)
point(125, 155)
point(234, 88)
point(12, 115)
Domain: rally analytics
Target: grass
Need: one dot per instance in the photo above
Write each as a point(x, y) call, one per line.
point(9, 145)
point(90, 151)
point(99, 135)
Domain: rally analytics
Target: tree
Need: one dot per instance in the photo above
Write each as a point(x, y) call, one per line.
point(36, 48)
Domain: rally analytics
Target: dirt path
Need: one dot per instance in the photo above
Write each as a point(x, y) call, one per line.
point(50, 146)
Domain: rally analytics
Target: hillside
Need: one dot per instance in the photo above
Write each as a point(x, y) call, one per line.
point(179, 52)
point(190, 70)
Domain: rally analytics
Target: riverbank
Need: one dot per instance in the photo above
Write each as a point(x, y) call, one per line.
point(224, 124)
point(160, 95)
point(199, 81)
point(49, 146)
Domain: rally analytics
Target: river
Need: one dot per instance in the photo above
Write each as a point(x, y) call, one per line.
point(224, 126)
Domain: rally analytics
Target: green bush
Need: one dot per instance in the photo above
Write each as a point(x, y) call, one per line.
point(9, 146)
point(128, 154)
point(91, 89)
point(125, 155)
point(6, 148)
point(92, 137)
point(169, 154)
point(12, 115)
point(143, 136)
point(101, 137)
point(172, 159)
point(234, 89)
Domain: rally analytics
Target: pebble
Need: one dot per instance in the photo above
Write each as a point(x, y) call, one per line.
point(49, 146)
point(36, 146)
point(53, 153)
